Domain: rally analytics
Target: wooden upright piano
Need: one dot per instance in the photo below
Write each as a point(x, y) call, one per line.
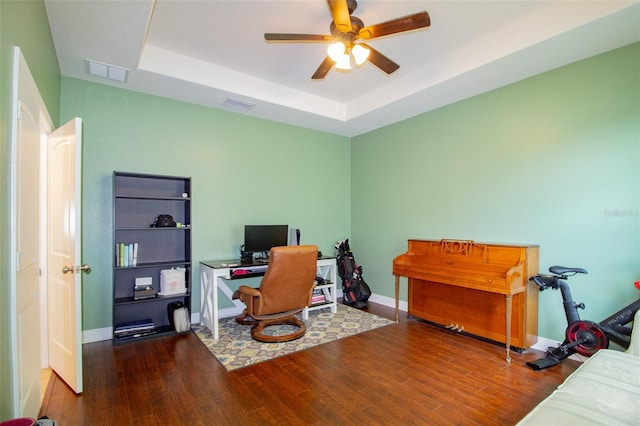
point(479, 288)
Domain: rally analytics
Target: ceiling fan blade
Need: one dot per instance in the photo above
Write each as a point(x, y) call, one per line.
point(297, 37)
point(379, 60)
point(406, 23)
point(323, 69)
point(340, 14)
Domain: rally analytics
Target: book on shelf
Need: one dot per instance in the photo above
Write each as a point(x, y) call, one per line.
point(135, 335)
point(137, 325)
point(317, 296)
point(126, 255)
point(133, 331)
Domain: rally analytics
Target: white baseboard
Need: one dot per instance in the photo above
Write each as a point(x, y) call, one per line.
point(230, 312)
point(97, 335)
point(543, 344)
point(389, 302)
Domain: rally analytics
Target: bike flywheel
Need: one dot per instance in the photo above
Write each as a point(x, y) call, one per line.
point(591, 337)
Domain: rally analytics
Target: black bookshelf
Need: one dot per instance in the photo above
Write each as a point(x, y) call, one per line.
point(142, 251)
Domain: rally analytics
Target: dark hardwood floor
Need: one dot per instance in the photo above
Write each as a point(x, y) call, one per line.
point(405, 373)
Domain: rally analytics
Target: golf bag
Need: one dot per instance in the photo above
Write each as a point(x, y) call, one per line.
point(355, 291)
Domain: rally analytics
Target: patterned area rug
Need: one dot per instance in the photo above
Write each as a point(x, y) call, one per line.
point(236, 349)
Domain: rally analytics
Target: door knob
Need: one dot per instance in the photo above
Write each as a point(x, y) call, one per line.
point(78, 269)
point(84, 268)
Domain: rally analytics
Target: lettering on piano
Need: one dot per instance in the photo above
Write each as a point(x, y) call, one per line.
point(463, 247)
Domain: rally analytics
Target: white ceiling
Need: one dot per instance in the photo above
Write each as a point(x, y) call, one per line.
point(207, 51)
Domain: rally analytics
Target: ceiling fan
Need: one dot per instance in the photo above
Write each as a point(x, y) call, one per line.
point(345, 30)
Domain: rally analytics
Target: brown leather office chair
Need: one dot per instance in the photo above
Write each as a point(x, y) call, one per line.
point(284, 291)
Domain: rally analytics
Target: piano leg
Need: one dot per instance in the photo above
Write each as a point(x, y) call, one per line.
point(397, 296)
point(508, 301)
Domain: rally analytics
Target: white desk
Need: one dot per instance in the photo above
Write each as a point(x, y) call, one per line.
point(213, 274)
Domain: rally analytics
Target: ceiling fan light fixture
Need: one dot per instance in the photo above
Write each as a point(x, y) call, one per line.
point(343, 63)
point(336, 51)
point(360, 54)
point(346, 30)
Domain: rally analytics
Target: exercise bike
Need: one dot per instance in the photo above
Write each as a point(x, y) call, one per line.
point(583, 337)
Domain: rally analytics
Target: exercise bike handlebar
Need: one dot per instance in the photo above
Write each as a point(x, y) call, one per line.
point(545, 281)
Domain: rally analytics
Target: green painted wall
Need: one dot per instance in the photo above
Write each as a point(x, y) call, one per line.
point(552, 160)
point(23, 24)
point(244, 171)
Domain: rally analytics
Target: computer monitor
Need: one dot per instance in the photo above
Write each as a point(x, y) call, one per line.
point(260, 238)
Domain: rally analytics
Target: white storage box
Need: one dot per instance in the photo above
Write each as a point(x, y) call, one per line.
point(172, 281)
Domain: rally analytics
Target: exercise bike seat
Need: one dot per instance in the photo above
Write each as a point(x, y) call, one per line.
point(563, 270)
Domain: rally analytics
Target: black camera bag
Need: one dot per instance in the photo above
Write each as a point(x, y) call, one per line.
point(164, 221)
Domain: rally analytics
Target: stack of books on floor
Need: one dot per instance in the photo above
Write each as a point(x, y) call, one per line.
point(134, 329)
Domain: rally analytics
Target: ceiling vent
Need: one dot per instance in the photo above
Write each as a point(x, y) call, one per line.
point(236, 104)
point(110, 72)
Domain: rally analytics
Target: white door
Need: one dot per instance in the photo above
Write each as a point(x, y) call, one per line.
point(63, 254)
point(26, 243)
